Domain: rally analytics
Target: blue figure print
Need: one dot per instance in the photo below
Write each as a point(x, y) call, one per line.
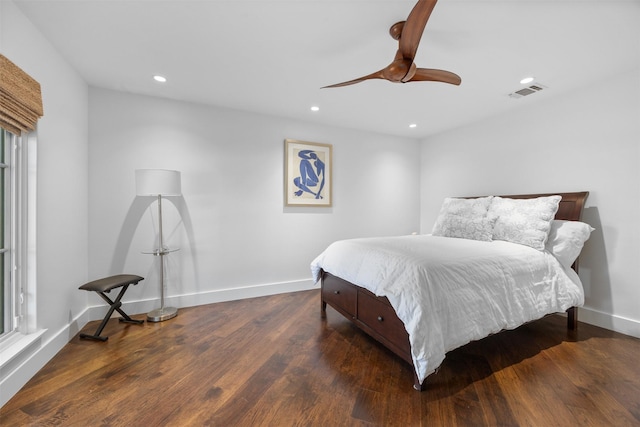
point(310, 175)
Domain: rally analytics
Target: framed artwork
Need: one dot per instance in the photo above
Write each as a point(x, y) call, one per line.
point(307, 173)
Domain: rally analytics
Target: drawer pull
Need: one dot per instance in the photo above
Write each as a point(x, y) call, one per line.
point(336, 292)
point(380, 318)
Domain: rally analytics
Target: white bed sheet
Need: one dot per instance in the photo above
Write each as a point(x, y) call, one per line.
point(450, 291)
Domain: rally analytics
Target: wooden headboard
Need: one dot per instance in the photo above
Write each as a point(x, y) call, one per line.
point(571, 205)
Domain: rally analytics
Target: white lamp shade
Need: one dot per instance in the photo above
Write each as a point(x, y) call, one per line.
point(157, 182)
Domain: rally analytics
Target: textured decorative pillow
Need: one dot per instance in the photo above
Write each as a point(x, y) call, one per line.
point(464, 218)
point(566, 239)
point(465, 228)
point(523, 221)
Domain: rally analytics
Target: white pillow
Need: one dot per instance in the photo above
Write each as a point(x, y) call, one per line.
point(566, 239)
point(464, 218)
point(523, 221)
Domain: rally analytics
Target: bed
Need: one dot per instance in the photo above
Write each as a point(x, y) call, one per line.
point(491, 263)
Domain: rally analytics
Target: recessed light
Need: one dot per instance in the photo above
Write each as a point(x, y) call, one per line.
point(160, 79)
point(413, 125)
point(526, 80)
point(315, 108)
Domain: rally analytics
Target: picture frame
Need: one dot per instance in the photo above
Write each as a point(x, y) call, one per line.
point(308, 168)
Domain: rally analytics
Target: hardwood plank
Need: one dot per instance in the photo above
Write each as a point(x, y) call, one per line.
point(275, 361)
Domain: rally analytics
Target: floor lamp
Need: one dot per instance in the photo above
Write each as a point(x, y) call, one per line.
point(159, 182)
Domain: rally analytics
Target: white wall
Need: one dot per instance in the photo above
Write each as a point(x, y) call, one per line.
point(62, 218)
point(236, 237)
point(585, 140)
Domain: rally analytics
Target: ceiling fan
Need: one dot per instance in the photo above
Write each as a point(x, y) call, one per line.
point(403, 69)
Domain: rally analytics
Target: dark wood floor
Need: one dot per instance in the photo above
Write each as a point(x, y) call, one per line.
point(274, 361)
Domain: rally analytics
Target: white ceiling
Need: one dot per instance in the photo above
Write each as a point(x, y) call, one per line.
point(273, 56)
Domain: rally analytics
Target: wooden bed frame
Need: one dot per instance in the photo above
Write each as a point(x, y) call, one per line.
point(375, 316)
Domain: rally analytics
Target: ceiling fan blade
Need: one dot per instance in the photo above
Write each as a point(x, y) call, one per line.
point(414, 27)
point(433, 75)
point(376, 75)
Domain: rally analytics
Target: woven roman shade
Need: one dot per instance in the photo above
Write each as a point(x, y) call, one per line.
point(20, 98)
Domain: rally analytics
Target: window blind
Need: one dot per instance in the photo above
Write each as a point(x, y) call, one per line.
point(20, 98)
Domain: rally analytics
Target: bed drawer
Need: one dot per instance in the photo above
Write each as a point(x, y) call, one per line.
point(339, 294)
point(378, 315)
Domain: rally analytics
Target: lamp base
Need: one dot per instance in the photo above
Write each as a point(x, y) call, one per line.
point(162, 314)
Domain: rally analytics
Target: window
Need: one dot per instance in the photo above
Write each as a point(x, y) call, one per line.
point(5, 287)
point(20, 109)
point(14, 220)
point(8, 295)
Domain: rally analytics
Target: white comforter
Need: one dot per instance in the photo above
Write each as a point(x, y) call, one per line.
point(450, 291)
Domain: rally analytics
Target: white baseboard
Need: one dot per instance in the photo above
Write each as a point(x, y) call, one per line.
point(612, 322)
point(14, 375)
point(209, 297)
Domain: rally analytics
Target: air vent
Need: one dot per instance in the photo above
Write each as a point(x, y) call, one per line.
point(531, 89)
